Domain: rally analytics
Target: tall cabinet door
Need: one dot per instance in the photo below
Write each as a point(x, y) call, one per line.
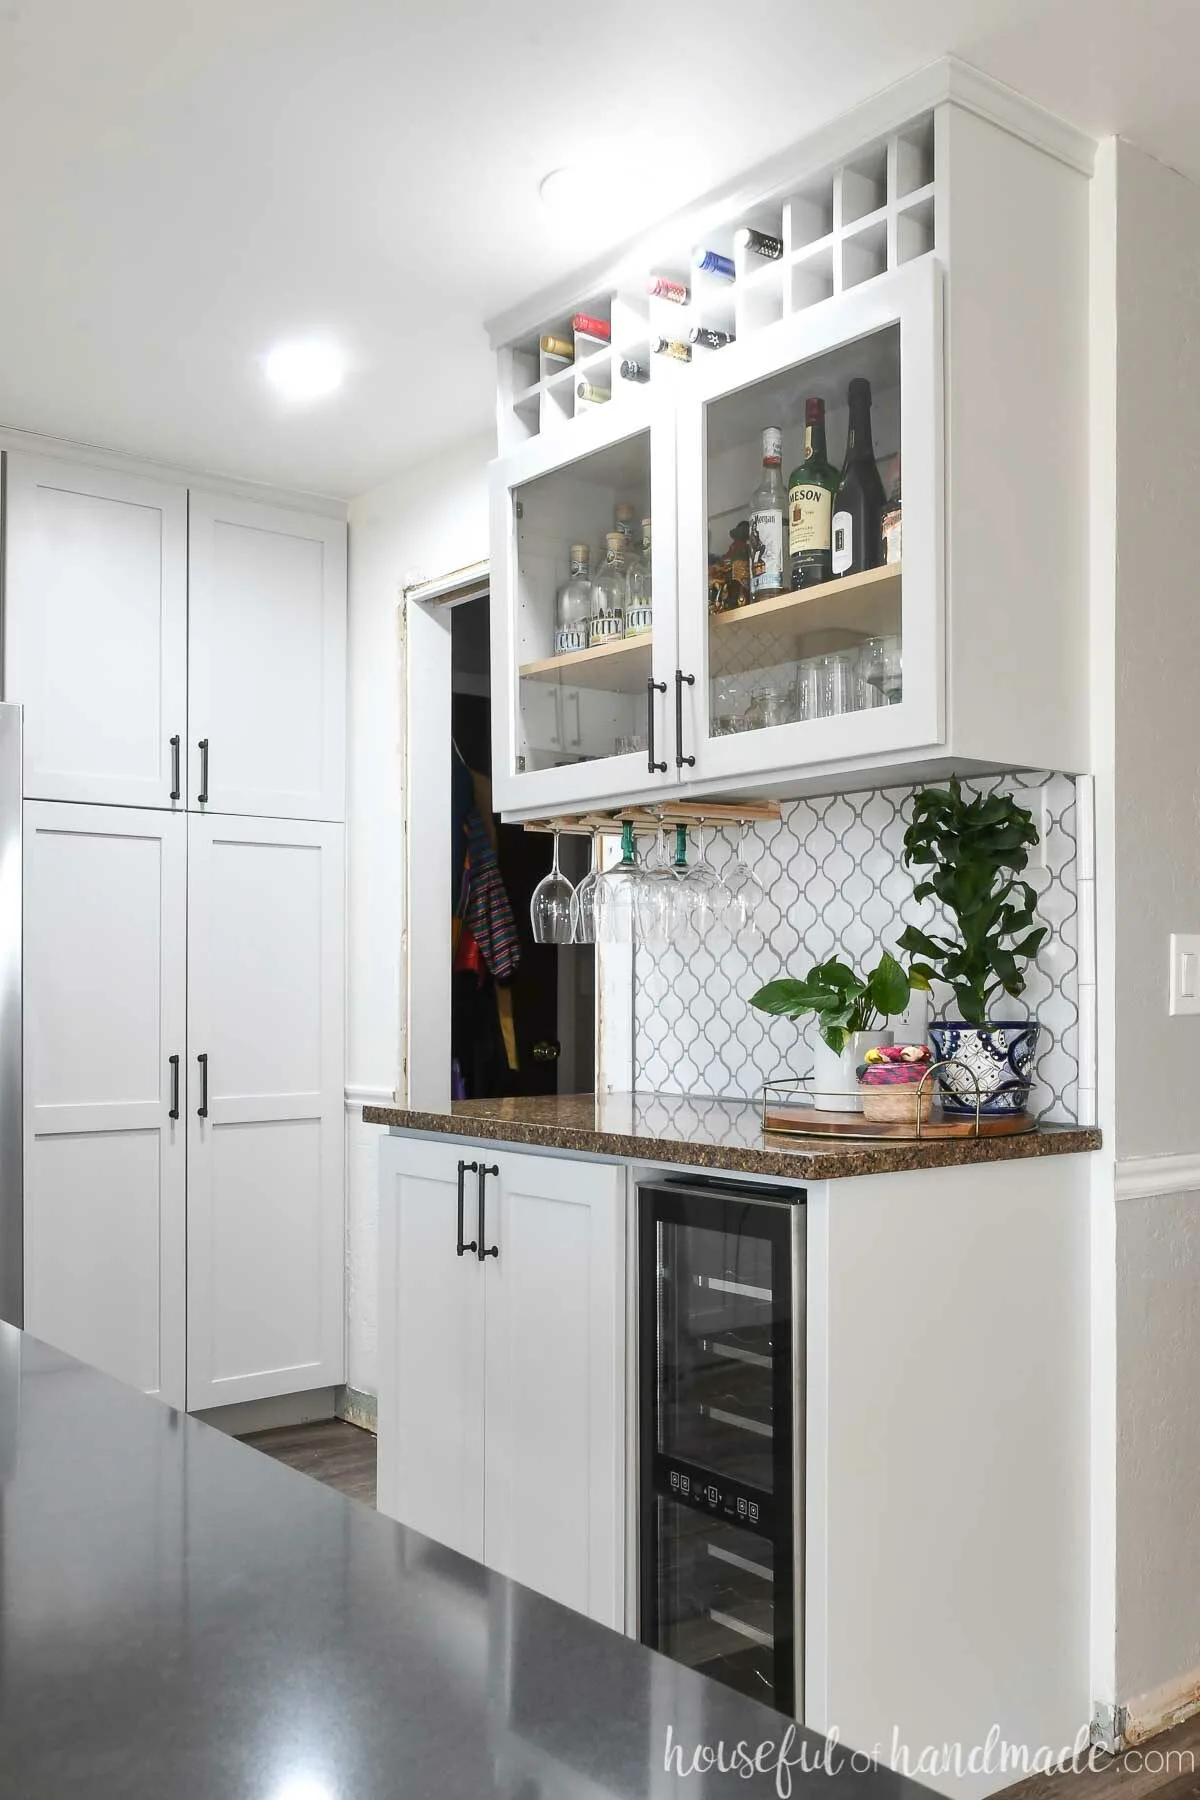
point(105, 1152)
point(554, 1379)
point(96, 631)
point(431, 1341)
point(267, 660)
point(266, 1109)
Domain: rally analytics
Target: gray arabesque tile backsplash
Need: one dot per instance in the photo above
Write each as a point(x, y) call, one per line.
point(835, 883)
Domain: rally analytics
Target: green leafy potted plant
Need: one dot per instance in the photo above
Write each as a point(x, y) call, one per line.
point(977, 852)
point(848, 1009)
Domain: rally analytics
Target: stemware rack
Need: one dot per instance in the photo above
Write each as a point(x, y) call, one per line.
point(648, 821)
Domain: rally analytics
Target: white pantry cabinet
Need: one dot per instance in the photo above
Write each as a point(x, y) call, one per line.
point(105, 1146)
point(266, 1232)
point(501, 1394)
point(95, 634)
point(266, 659)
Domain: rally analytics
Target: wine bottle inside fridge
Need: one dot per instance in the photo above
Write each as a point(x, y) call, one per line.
point(859, 506)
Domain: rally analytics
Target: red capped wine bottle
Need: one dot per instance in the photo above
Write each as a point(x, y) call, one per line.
point(859, 507)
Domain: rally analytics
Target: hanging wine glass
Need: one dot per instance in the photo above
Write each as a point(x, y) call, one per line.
point(550, 905)
point(654, 896)
point(583, 900)
point(703, 895)
point(616, 895)
point(744, 895)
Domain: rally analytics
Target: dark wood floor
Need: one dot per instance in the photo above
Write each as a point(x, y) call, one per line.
point(1166, 1768)
point(331, 1451)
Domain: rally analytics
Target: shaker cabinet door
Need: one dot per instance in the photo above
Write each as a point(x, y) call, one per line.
point(431, 1432)
point(105, 995)
point(554, 1360)
point(266, 1227)
point(267, 660)
point(95, 637)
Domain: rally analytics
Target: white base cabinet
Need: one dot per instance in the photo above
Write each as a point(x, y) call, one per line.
point(105, 1145)
point(501, 1389)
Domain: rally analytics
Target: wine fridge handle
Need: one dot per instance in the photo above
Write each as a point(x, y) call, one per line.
point(462, 1171)
point(202, 796)
point(484, 1171)
point(652, 687)
point(681, 681)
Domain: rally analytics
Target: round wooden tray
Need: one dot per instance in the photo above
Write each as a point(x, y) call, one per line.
point(808, 1121)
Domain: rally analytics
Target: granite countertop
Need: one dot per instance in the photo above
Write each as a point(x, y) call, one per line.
point(180, 1615)
point(700, 1133)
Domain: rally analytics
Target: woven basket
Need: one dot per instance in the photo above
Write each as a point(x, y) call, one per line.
point(896, 1102)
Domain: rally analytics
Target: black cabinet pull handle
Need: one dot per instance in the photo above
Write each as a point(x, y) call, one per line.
point(174, 1112)
point(653, 687)
point(175, 788)
point(202, 796)
point(681, 681)
point(484, 1172)
point(202, 1109)
point(462, 1170)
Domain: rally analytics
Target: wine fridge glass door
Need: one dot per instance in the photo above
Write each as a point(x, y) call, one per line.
point(717, 1429)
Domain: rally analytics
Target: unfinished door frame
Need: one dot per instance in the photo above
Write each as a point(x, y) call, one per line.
point(426, 677)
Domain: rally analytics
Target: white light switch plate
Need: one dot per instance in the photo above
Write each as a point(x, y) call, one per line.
point(1185, 973)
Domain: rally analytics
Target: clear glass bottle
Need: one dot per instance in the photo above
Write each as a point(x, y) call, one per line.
point(639, 614)
point(574, 605)
point(610, 593)
point(768, 508)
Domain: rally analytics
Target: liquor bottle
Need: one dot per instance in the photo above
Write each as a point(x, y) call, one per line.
point(738, 591)
point(625, 521)
point(610, 593)
point(761, 242)
point(767, 508)
point(890, 527)
point(574, 605)
point(711, 262)
point(639, 615)
point(710, 337)
point(859, 506)
point(811, 487)
point(632, 370)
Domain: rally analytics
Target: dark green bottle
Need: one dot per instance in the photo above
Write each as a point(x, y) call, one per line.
point(811, 488)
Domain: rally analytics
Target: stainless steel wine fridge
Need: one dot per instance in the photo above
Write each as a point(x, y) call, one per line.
point(721, 1345)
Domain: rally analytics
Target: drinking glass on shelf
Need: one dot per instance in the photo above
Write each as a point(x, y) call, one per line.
point(550, 905)
point(808, 688)
point(583, 900)
point(835, 673)
point(884, 670)
point(869, 675)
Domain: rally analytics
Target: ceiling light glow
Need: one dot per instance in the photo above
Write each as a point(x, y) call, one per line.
point(305, 368)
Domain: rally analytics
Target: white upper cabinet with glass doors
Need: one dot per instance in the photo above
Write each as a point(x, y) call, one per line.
point(938, 262)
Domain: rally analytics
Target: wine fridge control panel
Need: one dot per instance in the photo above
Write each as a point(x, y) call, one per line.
point(716, 1496)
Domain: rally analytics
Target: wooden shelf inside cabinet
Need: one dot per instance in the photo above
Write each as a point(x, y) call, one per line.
point(619, 667)
point(869, 603)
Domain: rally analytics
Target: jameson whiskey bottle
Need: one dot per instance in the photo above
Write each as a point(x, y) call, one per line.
point(811, 488)
point(859, 507)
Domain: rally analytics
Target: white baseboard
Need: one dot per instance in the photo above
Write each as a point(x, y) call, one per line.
point(1162, 1708)
point(245, 1416)
point(359, 1095)
point(1142, 1177)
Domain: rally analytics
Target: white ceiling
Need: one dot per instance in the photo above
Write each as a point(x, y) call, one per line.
point(186, 183)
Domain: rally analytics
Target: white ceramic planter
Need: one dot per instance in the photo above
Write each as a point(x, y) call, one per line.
point(835, 1078)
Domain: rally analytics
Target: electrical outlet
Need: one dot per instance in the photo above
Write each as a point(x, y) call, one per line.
point(1185, 973)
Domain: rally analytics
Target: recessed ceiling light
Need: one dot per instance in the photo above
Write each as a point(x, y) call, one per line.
point(305, 368)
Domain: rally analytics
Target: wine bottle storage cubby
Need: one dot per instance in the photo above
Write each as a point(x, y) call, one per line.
point(835, 230)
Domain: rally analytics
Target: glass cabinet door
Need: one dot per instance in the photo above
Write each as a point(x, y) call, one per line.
point(810, 528)
point(717, 1433)
point(588, 609)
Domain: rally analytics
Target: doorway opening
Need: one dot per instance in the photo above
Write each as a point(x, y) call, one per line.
point(523, 1015)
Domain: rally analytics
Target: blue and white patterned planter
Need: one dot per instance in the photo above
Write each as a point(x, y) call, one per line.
point(999, 1058)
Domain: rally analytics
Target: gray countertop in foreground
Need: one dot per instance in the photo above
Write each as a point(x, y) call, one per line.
point(182, 1618)
point(696, 1132)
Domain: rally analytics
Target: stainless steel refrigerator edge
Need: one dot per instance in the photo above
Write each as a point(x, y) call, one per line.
point(12, 1273)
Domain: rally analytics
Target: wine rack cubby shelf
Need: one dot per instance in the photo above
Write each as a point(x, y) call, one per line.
point(837, 229)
